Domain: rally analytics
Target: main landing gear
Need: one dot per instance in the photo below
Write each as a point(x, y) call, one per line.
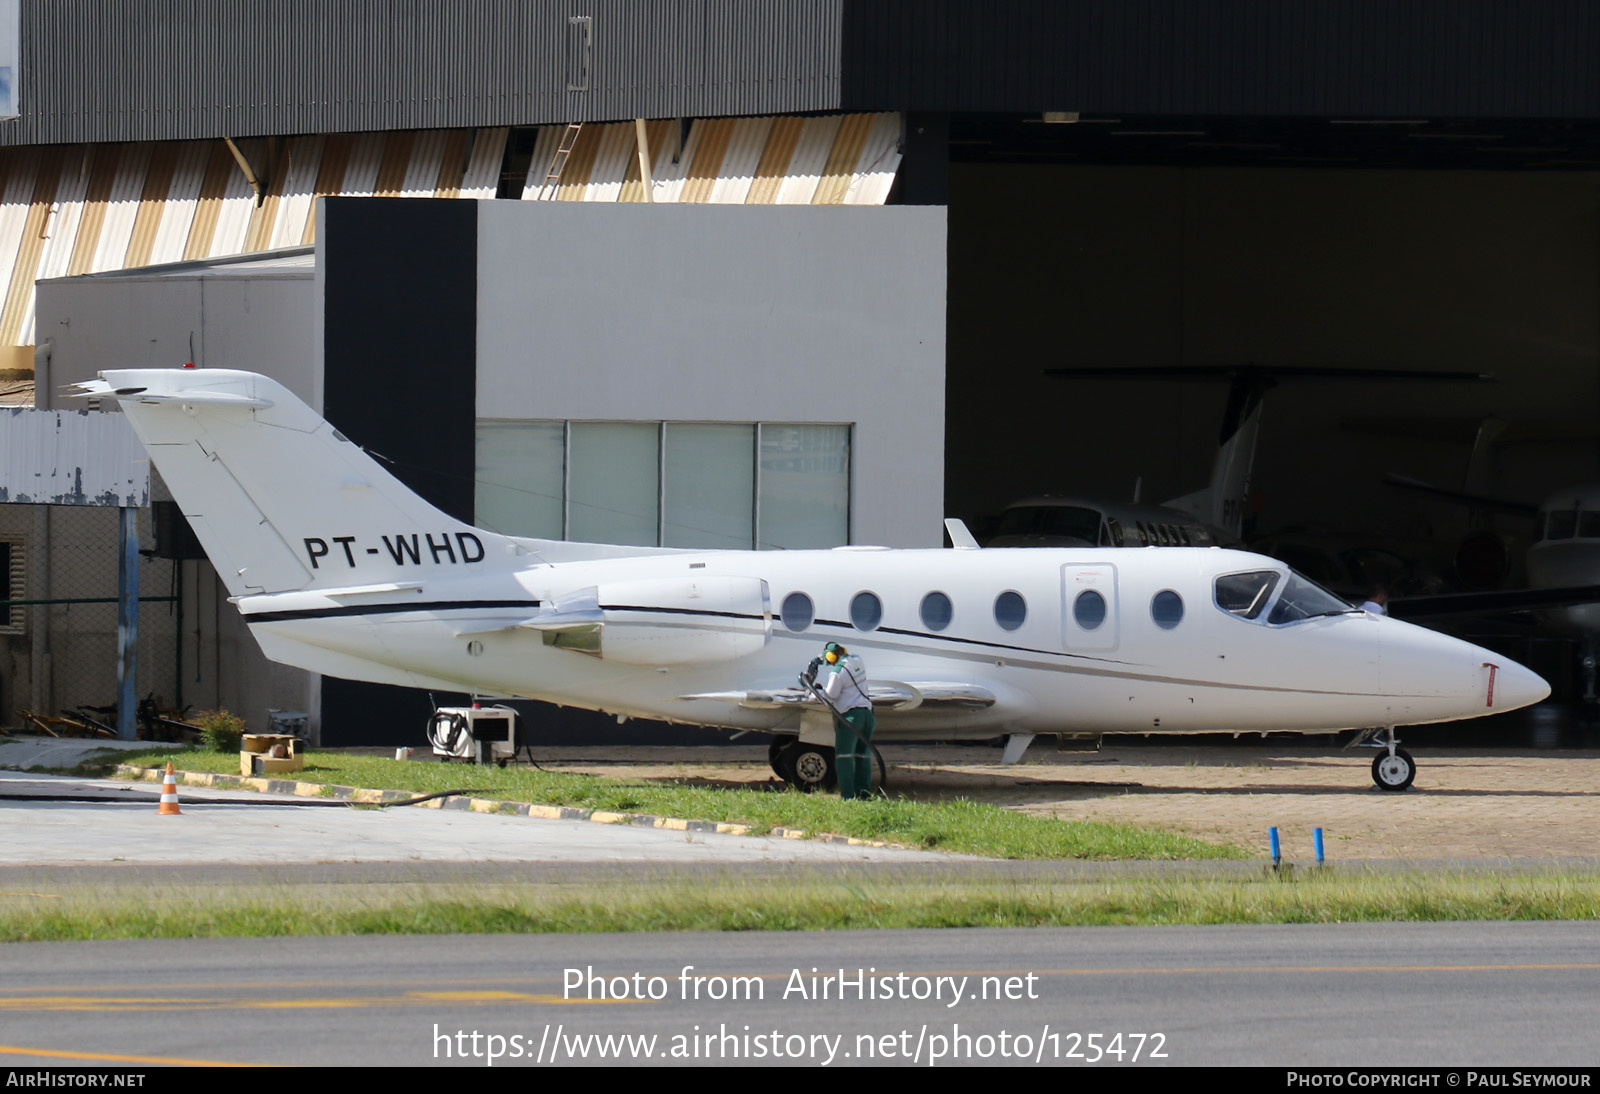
point(1393, 768)
point(803, 766)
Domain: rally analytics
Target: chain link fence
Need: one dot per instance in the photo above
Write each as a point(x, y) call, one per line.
point(58, 641)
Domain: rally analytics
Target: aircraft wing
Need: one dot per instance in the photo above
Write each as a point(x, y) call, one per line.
point(885, 695)
point(1495, 600)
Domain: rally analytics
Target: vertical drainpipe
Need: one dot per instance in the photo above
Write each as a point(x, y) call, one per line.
point(128, 624)
point(39, 615)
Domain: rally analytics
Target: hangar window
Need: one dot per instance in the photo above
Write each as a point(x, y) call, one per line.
point(1010, 610)
point(1246, 594)
point(1089, 609)
point(796, 612)
point(1166, 608)
point(866, 611)
point(936, 611)
point(715, 485)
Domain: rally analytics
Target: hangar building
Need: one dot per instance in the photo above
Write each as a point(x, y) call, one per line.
point(790, 272)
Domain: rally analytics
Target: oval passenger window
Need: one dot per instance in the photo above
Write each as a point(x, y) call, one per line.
point(796, 612)
point(1010, 610)
point(936, 611)
point(1089, 609)
point(1166, 608)
point(866, 611)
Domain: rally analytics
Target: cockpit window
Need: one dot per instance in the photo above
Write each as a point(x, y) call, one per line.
point(1561, 524)
point(1302, 599)
point(1588, 525)
point(1246, 594)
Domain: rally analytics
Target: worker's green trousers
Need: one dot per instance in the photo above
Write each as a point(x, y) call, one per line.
point(853, 758)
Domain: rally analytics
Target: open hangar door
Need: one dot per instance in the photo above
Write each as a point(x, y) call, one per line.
point(1084, 255)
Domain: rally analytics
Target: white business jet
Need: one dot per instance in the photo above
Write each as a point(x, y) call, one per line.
point(340, 569)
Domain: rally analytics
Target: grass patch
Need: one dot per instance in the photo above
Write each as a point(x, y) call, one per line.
point(962, 827)
point(777, 904)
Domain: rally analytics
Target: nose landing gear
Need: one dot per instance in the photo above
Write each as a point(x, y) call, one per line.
point(1393, 771)
point(1393, 768)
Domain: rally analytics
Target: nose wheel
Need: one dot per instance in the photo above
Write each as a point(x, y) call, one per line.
point(1394, 771)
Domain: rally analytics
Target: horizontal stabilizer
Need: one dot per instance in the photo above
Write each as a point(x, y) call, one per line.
point(154, 395)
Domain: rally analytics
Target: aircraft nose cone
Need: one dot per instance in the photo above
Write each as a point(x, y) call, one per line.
point(1515, 686)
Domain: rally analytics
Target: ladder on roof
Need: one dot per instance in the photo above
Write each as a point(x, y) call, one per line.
point(552, 179)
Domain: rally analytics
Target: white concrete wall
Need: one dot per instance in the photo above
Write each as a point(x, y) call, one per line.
point(729, 313)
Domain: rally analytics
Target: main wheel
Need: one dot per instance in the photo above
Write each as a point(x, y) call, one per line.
point(808, 767)
point(1394, 772)
point(775, 755)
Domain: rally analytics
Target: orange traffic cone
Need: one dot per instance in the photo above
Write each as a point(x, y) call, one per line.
point(169, 795)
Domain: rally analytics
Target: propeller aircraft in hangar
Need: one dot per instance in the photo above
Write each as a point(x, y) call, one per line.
point(338, 568)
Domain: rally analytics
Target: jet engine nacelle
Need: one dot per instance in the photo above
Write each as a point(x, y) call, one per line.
point(662, 622)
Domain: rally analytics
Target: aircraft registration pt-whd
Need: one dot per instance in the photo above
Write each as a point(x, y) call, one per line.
point(340, 569)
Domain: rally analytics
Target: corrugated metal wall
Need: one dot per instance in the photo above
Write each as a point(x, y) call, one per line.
point(832, 160)
point(1263, 58)
point(86, 208)
point(130, 70)
point(71, 457)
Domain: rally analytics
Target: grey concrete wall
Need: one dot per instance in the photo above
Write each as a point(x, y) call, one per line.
point(730, 313)
point(262, 321)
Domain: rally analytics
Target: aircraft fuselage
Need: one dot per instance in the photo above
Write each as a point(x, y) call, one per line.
point(1159, 653)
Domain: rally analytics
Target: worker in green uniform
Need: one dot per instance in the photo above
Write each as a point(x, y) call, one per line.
point(842, 679)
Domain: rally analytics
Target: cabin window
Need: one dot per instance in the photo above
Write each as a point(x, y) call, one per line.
point(1166, 608)
point(1010, 610)
point(866, 611)
point(796, 612)
point(1089, 609)
point(1246, 594)
point(1303, 599)
point(936, 611)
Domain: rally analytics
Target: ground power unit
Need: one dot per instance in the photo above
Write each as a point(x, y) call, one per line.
point(484, 734)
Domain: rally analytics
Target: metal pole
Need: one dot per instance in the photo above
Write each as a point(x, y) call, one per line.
point(128, 625)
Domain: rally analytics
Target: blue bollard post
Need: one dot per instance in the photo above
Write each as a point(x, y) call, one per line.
point(1316, 838)
point(1277, 854)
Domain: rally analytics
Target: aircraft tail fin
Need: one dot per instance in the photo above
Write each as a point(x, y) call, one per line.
point(283, 501)
point(1224, 502)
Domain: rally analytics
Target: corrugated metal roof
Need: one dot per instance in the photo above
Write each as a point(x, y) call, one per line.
point(82, 209)
point(71, 457)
